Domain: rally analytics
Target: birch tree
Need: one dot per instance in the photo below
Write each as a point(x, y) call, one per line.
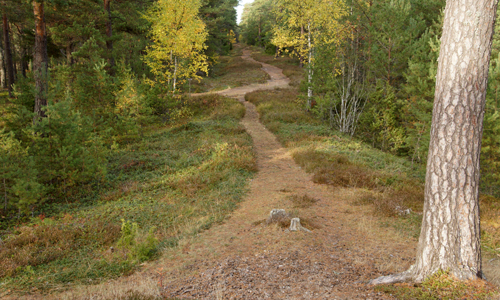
point(179, 38)
point(450, 234)
point(306, 24)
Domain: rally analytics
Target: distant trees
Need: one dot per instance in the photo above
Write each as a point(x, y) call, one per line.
point(257, 22)
point(219, 17)
point(304, 26)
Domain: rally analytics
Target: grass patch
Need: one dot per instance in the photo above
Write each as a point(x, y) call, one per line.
point(175, 182)
point(490, 224)
point(231, 71)
point(441, 286)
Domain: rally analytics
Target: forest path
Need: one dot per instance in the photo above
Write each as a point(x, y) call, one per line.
point(245, 259)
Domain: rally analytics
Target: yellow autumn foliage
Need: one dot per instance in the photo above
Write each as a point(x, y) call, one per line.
point(305, 24)
point(178, 36)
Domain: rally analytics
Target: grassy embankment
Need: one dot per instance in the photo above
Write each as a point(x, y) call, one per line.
point(391, 184)
point(175, 181)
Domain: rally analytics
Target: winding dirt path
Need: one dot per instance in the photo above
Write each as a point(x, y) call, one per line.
point(246, 259)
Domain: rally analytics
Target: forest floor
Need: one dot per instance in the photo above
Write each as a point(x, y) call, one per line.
point(245, 258)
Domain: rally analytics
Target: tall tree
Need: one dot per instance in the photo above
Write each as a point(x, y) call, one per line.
point(8, 54)
point(40, 60)
point(450, 234)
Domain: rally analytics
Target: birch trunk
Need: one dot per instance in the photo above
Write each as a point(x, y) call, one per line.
point(3, 73)
point(450, 234)
point(309, 68)
point(175, 74)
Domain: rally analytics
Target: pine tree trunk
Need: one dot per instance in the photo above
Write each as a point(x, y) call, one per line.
point(450, 234)
point(24, 64)
point(8, 55)
point(40, 60)
point(109, 34)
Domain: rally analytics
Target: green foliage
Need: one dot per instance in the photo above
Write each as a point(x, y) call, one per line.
point(65, 149)
point(257, 23)
point(18, 175)
point(139, 248)
point(219, 17)
point(382, 118)
point(180, 178)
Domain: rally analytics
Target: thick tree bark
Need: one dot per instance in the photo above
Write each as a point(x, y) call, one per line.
point(40, 60)
point(109, 34)
point(8, 55)
point(450, 234)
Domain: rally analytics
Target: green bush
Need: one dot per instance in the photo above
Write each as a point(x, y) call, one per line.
point(18, 176)
point(66, 150)
point(139, 248)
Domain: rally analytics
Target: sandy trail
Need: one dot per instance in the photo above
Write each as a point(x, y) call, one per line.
point(242, 260)
point(245, 259)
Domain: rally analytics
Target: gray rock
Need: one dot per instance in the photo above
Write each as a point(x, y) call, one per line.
point(277, 216)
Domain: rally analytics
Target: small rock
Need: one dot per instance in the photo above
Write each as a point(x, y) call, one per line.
point(277, 215)
point(403, 212)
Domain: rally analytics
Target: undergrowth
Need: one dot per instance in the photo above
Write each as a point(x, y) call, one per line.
point(174, 182)
point(440, 286)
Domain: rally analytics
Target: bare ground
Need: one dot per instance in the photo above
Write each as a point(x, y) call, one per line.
point(246, 259)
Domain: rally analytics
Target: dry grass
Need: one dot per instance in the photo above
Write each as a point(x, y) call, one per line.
point(40, 244)
point(144, 288)
point(490, 224)
point(442, 285)
point(388, 195)
point(303, 201)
